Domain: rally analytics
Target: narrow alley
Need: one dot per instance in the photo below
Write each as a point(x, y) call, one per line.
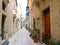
point(29, 22)
point(21, 38)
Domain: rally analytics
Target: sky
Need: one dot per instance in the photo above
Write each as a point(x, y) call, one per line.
point(22, 7)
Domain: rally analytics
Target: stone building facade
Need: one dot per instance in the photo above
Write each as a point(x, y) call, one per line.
point(38, 10)
point(8, 21)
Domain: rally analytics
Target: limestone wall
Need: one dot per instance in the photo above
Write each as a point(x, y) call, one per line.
point(54, 17)
point(8, 25)
point(9, 20)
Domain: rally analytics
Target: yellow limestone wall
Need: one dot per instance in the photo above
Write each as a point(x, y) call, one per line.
point(54, 17)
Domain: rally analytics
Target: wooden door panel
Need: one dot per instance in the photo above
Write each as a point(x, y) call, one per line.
point(47, 27)
point(47, 23)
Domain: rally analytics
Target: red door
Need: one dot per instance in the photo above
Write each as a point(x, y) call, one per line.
point(47, 25)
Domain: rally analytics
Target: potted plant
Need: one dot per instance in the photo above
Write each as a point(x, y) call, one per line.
point(51, 42)
point(35, 35)
point(54, 42)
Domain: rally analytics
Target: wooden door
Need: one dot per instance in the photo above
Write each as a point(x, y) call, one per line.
point(47, 31)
